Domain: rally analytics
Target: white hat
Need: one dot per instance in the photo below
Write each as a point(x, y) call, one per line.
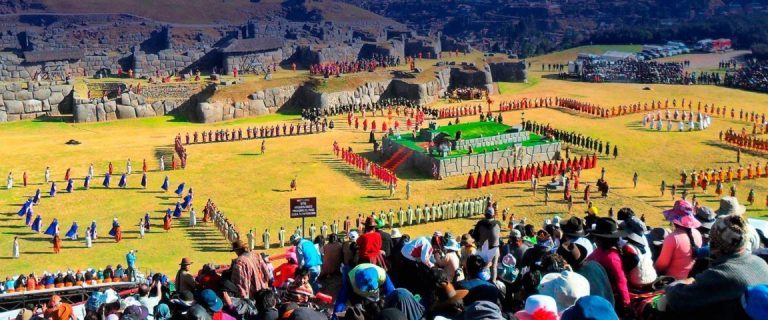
point(110, 296)
point(396, 233)
point(353, 235)
point(535, 303)
point(565, 287)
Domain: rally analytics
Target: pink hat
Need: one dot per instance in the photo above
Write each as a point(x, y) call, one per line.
point(540, 306)
point(682, 214)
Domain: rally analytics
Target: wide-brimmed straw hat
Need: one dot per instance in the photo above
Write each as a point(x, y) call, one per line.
point(682, 214)
point(730, 205)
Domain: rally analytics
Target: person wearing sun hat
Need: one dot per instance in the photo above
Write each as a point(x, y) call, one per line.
point(707, 217)
point(449, 261)
point(716, 292)
point(731, 206)
point(641, 274)
point(573, 231)
point(538, 306)
point(565, 287)
point(607, 254)
point(365, 282)
point(678, 251)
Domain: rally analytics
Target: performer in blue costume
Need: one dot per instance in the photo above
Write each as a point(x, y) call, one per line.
point(177, 211)
point(165, 184)
point(93, 230)
point(52, 193)
point(115, 224)
point(72, 233)
point(144, 180)
point(107, 177)
point(37, 224)
point(146, 221)
point(29, 216)
point(36, 199)
point(25, 207)
point(70, 184)
point(87, 182)
point(180, 189)
point(123, 181)
point(53, 228)
point(187, 201)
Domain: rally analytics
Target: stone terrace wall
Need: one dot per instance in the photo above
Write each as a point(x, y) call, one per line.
point(477, 162)
point(164, 62)
point(259, 103)
point(127, 106)
point(513, 137)
point(28, 101)
point(13, 68)
point(509, 71)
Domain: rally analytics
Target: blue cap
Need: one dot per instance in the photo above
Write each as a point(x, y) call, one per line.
point(209, 299)
point(367, 280)
point(755, 301)
point(590, 308)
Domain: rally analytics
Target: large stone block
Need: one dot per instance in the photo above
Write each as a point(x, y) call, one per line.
point(85, 113)
point(209, 112)
point(110, 106)
point(125, 112)
point(42, 94)
point(23, 95)
point(9, 95)
point(125, 99)
point(56, 98)
point(14, 107)
point(32, 106)
point(101, 112)
point(144, 111)
point(3, 116)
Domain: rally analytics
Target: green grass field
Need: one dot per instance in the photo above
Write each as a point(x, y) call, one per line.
point(252, 189)
point(472, 130)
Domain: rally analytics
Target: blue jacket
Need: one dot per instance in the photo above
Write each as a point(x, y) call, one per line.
point(307, 254)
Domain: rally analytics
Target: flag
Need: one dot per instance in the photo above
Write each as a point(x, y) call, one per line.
point(144, 180)
point(53, 228)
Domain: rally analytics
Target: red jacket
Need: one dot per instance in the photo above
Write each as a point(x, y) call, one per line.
point(369, 246)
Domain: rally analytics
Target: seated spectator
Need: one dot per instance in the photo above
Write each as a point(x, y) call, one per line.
point(716, 292)
point(607, 254)
point(678, 252)
point(478, 287)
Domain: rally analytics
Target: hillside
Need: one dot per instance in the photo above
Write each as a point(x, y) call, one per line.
point(194, 11)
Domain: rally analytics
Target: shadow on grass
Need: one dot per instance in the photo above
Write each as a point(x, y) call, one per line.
point(357, 176)
point(204, 238)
